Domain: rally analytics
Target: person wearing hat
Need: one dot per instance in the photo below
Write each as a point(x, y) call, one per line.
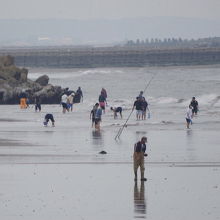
point(138, 158)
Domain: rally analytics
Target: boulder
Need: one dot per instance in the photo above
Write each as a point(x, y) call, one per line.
point(24, 73)
point(14, 81)
point(13, 73)
point(42, 80)
point(50, 94)
point(6, 61)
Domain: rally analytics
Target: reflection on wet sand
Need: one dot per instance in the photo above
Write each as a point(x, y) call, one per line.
point(189, 132)
point(190, 150)
point(97, 138)
point(139, 201)
point(12, 143)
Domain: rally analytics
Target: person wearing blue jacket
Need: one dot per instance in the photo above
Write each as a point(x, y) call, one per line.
point(98, 118)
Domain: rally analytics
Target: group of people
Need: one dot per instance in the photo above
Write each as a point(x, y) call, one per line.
point(192, 110)
point(24, 101)
point(99, 108)
point(141, 107)
point(140, 146)
point(69, 98)
point(140, 104)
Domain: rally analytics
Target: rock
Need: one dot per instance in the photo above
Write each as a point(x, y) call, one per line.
point(42, 80)
point(13, 74)
point(6, 61)
point(24, 73)
point(50, 94)
point(14, 81)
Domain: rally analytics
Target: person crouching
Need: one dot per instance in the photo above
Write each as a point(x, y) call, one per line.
point(47, 118)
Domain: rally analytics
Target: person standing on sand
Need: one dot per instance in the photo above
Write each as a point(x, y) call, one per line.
point(98, 118)
point(104, 93)
point(23, 100)
point(195, 106)
point(70, 101)
point(102, 102)
point(144, 108)
point(37, 102)
point(141, 94)
point(93, 113)
point(139, 107)
point(189, 116)
point(138, 157)
point(47, 118)
point(79, 93)
point(64, 103)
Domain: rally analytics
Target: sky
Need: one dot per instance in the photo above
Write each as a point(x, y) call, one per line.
point(108, 9)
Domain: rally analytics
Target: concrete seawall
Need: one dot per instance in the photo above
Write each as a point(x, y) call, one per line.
point(111, 57)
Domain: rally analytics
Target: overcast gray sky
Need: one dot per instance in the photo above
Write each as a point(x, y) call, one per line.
point(110, 9)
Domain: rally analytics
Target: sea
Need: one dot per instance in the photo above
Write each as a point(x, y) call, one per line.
point(59, 173)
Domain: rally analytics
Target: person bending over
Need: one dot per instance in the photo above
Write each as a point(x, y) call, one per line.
point(117, 110)
point(47, 118)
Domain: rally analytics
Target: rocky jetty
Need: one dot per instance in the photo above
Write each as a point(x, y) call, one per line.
point(14, 81)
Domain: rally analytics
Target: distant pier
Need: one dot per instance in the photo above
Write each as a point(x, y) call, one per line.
point(89, 57)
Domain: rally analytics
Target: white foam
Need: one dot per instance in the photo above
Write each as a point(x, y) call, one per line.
point(217, 104)
point(203, 100)
point(62, 74)
point(167, 100)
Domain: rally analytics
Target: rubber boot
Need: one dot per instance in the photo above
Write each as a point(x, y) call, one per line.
point(142, 177)
point(135, 176)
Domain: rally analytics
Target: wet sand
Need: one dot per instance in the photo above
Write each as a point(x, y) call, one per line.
point(107, 191)
point(58, 173)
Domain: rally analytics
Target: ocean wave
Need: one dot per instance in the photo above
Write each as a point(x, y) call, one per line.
point(217, 104)
point(167, 100)
point(203, 100)
point(95, 71)
point(206, 99)
point(69, 75)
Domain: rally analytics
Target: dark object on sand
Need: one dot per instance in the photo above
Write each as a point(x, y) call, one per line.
point(102, 152)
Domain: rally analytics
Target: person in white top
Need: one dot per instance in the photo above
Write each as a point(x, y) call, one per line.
point(189, 116)
point(64, 103)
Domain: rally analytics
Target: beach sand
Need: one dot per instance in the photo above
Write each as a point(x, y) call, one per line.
point(58, 173)
point(107, 191)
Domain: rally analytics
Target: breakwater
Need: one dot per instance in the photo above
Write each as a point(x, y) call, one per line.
point(87, 57)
